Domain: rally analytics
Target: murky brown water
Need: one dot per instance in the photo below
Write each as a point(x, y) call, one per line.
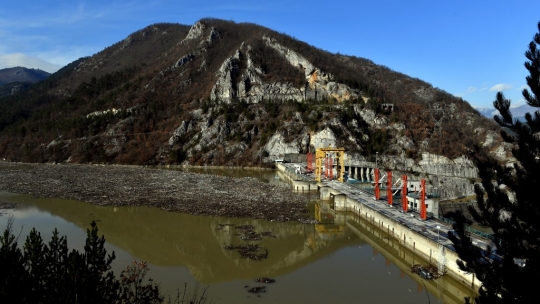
point(344, 261)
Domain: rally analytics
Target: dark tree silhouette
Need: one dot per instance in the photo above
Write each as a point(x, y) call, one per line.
point(508, 203)
point(50, 273)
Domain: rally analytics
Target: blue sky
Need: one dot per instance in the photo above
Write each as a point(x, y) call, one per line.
point(470, 49)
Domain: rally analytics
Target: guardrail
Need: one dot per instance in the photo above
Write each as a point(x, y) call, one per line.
point(482, 234)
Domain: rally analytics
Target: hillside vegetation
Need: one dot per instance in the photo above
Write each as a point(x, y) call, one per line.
point(218, 92)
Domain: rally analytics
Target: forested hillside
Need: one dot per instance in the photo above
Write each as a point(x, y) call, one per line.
point(218, 93)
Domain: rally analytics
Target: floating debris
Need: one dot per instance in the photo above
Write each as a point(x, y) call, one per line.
point(257, 289)
point(197, 194)
point(247, 233)
point(268, 234)
point(308, 221)
point(265, 280)
point(250, 251)
point(429, 272)
point(251, 237)
point(223, 226)
point(244, 228)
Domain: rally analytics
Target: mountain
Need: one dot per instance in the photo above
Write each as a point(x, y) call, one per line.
point(487, 112)
point(518, 111)
point(20, 74)
point(225, 93)
point(13, 80)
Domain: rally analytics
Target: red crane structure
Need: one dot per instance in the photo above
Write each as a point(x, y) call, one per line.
point(324, 166)
point(377, 186)
point(389, 194)
point(404, 185)
point(404, 202)
point(423, 211)
point(309, 160)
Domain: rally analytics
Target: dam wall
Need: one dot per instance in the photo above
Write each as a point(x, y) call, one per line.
point(428, 249)
point(414, 234)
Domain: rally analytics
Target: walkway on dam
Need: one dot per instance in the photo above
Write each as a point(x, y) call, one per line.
point(432, 229)
point(411, 220)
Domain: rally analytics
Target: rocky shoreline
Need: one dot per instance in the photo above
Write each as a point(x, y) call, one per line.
point(170, 190)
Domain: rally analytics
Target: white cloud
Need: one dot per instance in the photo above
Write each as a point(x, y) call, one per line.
point(469, 91)
point(500, 87)
point(519, 103)
point(19, 59)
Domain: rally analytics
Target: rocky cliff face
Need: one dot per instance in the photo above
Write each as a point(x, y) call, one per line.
point(449, 178)
point(320, 84)
point(249, 86)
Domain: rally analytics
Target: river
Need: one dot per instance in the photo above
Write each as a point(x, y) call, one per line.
point(344, 260)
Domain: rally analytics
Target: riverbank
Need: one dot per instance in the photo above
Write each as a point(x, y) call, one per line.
point(170, 190)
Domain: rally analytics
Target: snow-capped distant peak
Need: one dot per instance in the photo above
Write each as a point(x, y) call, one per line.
point(519, 109)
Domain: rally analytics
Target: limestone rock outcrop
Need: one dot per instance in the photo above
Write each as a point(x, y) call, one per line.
point(443, 166)
point(195, 32)
point(277, 146)
point(312, 73)
point(224, 89)
point(324, 138)
point(369, 116)
point(321, 84)
point(252, 88)
point(185, 59)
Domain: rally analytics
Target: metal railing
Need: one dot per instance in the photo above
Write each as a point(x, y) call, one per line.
point(482, 234)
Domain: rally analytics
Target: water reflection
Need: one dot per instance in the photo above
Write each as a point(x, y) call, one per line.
point(175, 239)
point(342, 260)
point(446, 289)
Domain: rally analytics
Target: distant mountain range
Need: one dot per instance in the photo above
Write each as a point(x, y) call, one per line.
point(13, 80)
point(21, 74)
point(518, 111)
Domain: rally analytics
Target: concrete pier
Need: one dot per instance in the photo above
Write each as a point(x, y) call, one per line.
point(427, 238)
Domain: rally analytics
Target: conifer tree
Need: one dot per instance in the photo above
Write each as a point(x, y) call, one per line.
point(50, 273)
point(509, 203)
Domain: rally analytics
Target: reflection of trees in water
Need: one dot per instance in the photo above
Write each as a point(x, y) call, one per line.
point(173, 239)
